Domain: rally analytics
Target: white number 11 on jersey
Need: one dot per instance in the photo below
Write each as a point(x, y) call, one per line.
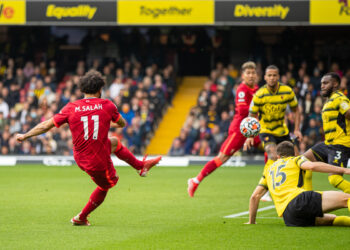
point(85, 120)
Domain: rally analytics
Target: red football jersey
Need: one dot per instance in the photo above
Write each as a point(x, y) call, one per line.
point(89, 121)
point(244, 96)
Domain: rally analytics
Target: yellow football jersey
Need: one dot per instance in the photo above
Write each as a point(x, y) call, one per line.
point(271, 108)
point(336, 127)
point(285, 180)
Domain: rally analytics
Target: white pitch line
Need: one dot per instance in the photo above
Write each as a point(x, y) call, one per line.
point(247, 212)
point(246, 217)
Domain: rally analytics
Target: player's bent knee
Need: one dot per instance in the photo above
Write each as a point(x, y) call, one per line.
point(223, 158)
point(111, 183)
point(114, 141)
point(103, 189)
point(218, 162)
point(114, 181)
point(115, 144)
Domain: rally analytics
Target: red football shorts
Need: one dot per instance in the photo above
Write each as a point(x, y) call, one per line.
point(105, 179)
point(235, 142)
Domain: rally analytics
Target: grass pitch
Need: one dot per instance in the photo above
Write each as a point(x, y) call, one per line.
point(37, 203)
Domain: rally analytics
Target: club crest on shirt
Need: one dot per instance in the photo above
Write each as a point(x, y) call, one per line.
point(344, 105)
point(241, 96)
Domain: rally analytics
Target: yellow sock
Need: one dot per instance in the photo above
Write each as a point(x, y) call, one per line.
point(343, 221)
point(349, 204)
point(339, 182)
point(345, 186)
point(308, 180)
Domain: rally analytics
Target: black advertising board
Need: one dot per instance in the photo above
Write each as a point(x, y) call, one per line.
point(267, 12)
point(72, 12)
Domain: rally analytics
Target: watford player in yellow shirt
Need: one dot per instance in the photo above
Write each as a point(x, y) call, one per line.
point(270, 104)
point(299, 207)
point(335, 150)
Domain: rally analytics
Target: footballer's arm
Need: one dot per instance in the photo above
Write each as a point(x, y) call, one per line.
point(297, 132)
point(323, 168)
point(259, 192)
point(121, 123)
point(41, 128)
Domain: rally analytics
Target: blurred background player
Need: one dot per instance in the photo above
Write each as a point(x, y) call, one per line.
point(235, 139)
point(270, 104)
point(335, 149)
point(89, 120)
point(298, 206)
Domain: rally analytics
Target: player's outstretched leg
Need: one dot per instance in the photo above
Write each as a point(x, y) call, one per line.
point(333, 200)
point(124, 154)
point(233, 142)
point(206, 170)
point(96, 199)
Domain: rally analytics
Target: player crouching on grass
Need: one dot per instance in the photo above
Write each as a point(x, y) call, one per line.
point(89, 120)
point(299, 207)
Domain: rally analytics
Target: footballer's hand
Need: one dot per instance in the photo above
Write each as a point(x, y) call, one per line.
point(248, 143)
point(298, 134)
point(20, 137)
point(346, 170)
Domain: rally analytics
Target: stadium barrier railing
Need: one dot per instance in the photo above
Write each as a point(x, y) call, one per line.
point(167, 161)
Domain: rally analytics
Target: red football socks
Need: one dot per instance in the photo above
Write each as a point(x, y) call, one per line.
point(124, 154)
point(209, 168)
point(96, 198)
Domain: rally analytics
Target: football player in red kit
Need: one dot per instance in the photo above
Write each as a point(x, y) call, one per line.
point(89, 120)
point(235, 140)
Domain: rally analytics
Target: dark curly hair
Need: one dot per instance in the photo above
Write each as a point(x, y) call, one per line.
point(334, 76)
point(91, 82)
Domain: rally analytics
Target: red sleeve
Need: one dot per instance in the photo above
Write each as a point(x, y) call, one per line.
point(242, 102)
point(62, 116)
point(115, 113)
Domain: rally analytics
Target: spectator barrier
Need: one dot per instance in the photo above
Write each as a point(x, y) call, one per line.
point(166, 161)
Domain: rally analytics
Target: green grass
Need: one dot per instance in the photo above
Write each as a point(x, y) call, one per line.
point(37, 202)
